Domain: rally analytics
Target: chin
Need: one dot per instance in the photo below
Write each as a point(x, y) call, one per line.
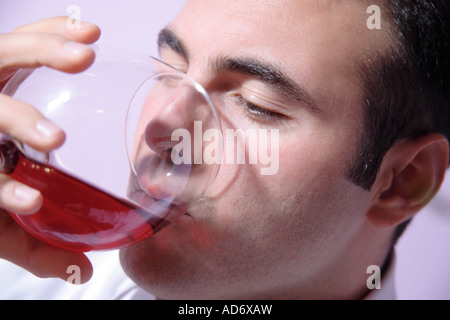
point(168, 264)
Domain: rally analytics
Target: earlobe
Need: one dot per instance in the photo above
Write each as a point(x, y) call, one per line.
point(410, 174)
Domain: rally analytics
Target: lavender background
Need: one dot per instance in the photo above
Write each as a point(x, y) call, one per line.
point(423, 253)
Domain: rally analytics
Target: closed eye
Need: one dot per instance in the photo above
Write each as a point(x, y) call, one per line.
point(257, 112)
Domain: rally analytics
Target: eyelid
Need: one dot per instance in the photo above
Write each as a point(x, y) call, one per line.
point(179, 66)
point(173, 59)
point(260, 98)
point(257, 112)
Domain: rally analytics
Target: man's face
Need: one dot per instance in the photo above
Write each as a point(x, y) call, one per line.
point(266, 236)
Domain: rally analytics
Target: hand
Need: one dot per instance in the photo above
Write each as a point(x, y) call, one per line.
point(50, 43)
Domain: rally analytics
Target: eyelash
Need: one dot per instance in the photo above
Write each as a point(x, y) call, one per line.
point(262, 113)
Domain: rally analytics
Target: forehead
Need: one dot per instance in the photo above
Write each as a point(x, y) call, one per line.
point(332, 25)
point(313, 40)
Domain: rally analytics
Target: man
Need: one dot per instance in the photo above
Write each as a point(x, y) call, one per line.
point(362, 117)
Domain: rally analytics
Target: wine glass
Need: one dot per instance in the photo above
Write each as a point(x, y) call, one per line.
point(143, 144)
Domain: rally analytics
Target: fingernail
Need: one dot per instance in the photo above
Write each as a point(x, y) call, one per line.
point(75, 48)
point(46, 128)
point(26, 193)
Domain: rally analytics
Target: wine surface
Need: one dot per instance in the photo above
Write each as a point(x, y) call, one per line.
point(77, 216)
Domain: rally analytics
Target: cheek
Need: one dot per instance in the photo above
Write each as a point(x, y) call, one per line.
point(312, 162)
point(292, 205)
point(313, 176)
point(282, 173)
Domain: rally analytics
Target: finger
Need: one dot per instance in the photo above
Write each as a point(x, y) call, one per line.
point(43, 260)
point(85, 33)
point(47, 261)
point(31, 50)
point(17, 197)
point(26, 124)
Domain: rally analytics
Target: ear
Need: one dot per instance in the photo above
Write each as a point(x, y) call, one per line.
point(410, 174)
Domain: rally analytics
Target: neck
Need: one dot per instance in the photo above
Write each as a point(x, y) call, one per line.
point(345, 274)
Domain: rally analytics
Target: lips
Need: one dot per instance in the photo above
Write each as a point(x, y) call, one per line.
point(158, 202)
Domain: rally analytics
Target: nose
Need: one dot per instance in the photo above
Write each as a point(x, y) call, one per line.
point(182, 108)
point(164, 161)
point(177, 111)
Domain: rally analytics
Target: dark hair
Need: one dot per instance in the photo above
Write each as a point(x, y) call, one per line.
point(407, 86)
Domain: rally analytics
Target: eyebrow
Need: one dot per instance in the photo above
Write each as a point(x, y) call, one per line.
point(262, 70)
point(170, 39)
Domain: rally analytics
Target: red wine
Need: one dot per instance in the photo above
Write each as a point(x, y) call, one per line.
point(77, 216)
